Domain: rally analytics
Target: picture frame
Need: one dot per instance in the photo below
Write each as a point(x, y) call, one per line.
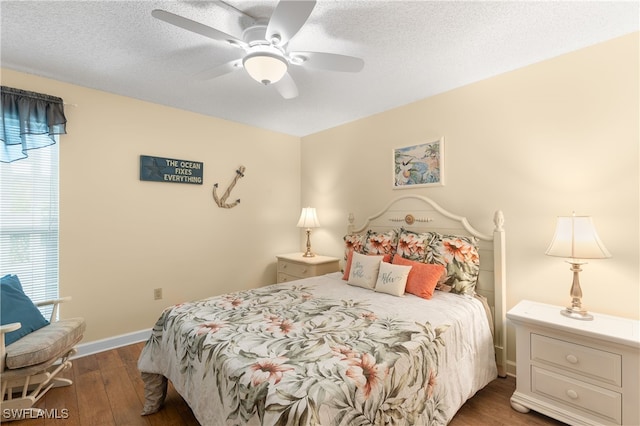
point(420, 165)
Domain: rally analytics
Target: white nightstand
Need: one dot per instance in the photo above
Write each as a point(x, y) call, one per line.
point(578, 372)
point(294, 266)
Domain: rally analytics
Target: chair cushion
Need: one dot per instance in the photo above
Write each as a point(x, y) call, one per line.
point(45, 344)
point(17, 307)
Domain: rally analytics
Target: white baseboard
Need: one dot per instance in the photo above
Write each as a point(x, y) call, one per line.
point(102, 345)
point(511, 368)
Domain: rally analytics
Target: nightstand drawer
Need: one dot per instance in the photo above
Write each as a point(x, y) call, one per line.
point(594, 363)
point(594, 402)
point(296, 269)
point(283, 278)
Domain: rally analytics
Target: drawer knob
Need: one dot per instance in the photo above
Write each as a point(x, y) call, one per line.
point(304, 271)
point(572, 359)
point(572, 394)
point(284, 266)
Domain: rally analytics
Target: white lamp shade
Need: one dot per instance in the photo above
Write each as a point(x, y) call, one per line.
point(308, 218)
point(576, 238)
point(264, 67)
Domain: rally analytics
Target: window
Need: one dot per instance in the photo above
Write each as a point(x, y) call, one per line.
point(29, 222)
point(29, 190)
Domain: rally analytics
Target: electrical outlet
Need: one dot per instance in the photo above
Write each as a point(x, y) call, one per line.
point(157, 293)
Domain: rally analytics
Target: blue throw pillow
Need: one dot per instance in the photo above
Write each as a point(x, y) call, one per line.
point(15, 306)
point(11, 280)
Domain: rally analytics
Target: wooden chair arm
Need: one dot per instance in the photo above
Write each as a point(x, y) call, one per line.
point(8, 328)
point(55, 303)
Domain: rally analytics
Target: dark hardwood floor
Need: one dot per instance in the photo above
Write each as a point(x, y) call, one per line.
point(107, 391)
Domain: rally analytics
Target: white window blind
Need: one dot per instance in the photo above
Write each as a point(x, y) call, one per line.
point(29, 222)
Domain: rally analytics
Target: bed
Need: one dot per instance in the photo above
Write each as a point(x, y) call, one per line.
point(330, 350)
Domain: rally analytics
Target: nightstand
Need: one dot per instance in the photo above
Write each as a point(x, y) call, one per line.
point(578, 372)
point(294, 266)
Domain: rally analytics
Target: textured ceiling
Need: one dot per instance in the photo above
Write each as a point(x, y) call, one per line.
point(411, 49)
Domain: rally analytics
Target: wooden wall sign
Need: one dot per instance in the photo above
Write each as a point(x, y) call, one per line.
point(159, 169)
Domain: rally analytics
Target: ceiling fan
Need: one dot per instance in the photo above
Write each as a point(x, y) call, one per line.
point(266, 57)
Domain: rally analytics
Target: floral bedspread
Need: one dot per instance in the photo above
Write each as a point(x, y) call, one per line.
point(312, 352)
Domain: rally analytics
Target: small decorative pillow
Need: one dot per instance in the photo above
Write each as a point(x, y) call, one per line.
point(347, 267)
point(364, 270)
point(423, 277)
point(381, 243)
point(459, 255)
point(416, 246)
point(392, 279)
point(15, 306)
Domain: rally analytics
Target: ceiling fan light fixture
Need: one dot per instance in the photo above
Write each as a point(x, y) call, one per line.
point(264, 67)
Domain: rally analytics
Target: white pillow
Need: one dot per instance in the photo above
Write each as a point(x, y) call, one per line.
point(392, 279)
point(364, 270)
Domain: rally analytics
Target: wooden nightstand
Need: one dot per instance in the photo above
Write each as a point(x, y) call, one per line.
point(578, 372)
point(294, 266)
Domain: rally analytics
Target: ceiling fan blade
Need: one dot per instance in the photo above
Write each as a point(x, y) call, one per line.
point(287, 19)
point(329, 61)
point(286, 87)
point(220, 70)
point(195, 27)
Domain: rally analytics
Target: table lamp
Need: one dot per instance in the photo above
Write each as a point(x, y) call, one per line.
point(576, 239)
point(308, 219)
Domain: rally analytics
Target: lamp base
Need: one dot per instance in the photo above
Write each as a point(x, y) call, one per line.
point(577, 314)
point(308, 253)
point(575, 311)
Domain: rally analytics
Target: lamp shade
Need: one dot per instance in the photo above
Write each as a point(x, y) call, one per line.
point(264, 67)
point(576, 238)
point(308, 218)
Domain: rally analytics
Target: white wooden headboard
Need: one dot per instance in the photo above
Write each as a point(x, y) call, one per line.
point(419, 213)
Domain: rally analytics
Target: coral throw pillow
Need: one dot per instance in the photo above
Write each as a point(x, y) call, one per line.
point(423, 277)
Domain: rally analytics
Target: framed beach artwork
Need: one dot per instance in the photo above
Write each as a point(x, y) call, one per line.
point(419, 165)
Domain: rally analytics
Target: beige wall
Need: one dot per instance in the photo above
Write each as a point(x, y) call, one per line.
point(538, 142)
point(121, 237)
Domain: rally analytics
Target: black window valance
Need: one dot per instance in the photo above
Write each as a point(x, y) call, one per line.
point(28, 120)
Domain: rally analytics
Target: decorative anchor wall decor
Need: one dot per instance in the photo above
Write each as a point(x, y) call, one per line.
point(222, 202)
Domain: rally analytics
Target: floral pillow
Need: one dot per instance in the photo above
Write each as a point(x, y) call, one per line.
point(418, 247)
point(353, 242)
point(381, 243)
point(459, 255)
